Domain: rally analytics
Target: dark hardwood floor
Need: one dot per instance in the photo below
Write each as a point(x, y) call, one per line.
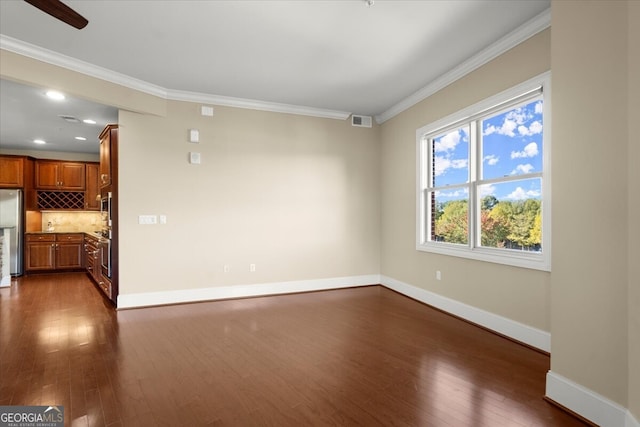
point(364, 356)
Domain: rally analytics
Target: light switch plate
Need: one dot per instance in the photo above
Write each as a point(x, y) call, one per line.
point(194, 136)
point(194, 158)
point(147, 219)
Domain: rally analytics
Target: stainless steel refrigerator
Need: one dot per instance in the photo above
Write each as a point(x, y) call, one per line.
point(11, 218)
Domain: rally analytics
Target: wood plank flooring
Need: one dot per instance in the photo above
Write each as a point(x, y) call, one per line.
point(364, 356)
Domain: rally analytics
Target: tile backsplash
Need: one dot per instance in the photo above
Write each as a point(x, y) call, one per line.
point(71, 221)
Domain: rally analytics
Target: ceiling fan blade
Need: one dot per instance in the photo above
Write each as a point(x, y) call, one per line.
point(61, 11)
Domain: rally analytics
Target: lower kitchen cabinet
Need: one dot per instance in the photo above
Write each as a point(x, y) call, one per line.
point(93, 263)
point(40, 250)
point(92, 258)
point(59, 251)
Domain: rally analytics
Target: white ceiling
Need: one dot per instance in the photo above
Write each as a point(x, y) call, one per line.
point(342, 55)
point(27, 114)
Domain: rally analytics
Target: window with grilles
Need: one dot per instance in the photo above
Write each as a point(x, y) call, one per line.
point(60, 199)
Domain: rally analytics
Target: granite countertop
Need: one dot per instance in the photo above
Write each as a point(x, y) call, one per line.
point(96, 233)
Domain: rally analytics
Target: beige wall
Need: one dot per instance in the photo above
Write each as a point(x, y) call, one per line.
point(515, 293)
point(589, 281)
point(634, 208)
point(297, 196)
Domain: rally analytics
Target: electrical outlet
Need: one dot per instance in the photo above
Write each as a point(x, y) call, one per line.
point(252, 268)
point(226, 268)
point(438, 275)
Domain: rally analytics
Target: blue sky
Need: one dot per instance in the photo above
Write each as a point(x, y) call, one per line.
point(511, 146)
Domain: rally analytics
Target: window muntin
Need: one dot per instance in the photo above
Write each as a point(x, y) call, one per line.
point(483, 177)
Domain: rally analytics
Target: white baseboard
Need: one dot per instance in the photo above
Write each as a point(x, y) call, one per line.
point(510, 328)
point(586, 403)
point(242, 291)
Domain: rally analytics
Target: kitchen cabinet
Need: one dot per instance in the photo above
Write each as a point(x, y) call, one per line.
point(11, 172)
point(60, 175)
point(40, 252)
point(59, 251)
point(92, 191)
point(108, 138)
point(69, 251)
point(92, 258)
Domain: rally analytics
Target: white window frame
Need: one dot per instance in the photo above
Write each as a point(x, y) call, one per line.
point(525, 259)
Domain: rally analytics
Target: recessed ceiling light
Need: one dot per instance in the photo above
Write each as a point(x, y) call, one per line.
point(39, 141)
point(55, 95)
point(89, 121)
point(81, 138)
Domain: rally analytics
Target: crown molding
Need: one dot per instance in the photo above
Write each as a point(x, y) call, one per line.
point(514, 38)
point(50, 57)
point(252, 104)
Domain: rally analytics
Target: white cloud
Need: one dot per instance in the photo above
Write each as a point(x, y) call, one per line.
point(517, 120)
point(489, 130)
point(491, 159)
point(530, 150)
point(533, 129)
point(538, 108)
point(520, 194)
point(526, 168)
point(447, 142)
point(453, 194)
point(487, 190)
point(444, 163)
point(507, 128)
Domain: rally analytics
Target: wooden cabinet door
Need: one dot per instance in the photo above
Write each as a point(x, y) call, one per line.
point(47, 175)
point(11, 172)
point(72, 176)
point(92, 191)
point(69, 250)
point(69, 255)
point(105, 157)
point(40, 256)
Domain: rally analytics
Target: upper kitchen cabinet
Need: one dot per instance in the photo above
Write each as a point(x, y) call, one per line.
point(11, 172)
point(57, 175)
point(108, 137)
point(92, 192)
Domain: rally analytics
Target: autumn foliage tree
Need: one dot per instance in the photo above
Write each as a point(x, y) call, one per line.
point(503, 224)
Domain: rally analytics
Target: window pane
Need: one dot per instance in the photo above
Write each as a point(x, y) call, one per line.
point(450, 215)
point(511, 215)
point(450, 157)
point(512, 142)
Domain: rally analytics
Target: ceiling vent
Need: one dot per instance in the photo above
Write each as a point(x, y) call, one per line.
point(69, 119)
point(361, 121)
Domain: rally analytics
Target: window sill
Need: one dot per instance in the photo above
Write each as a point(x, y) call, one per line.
point(514, 258)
